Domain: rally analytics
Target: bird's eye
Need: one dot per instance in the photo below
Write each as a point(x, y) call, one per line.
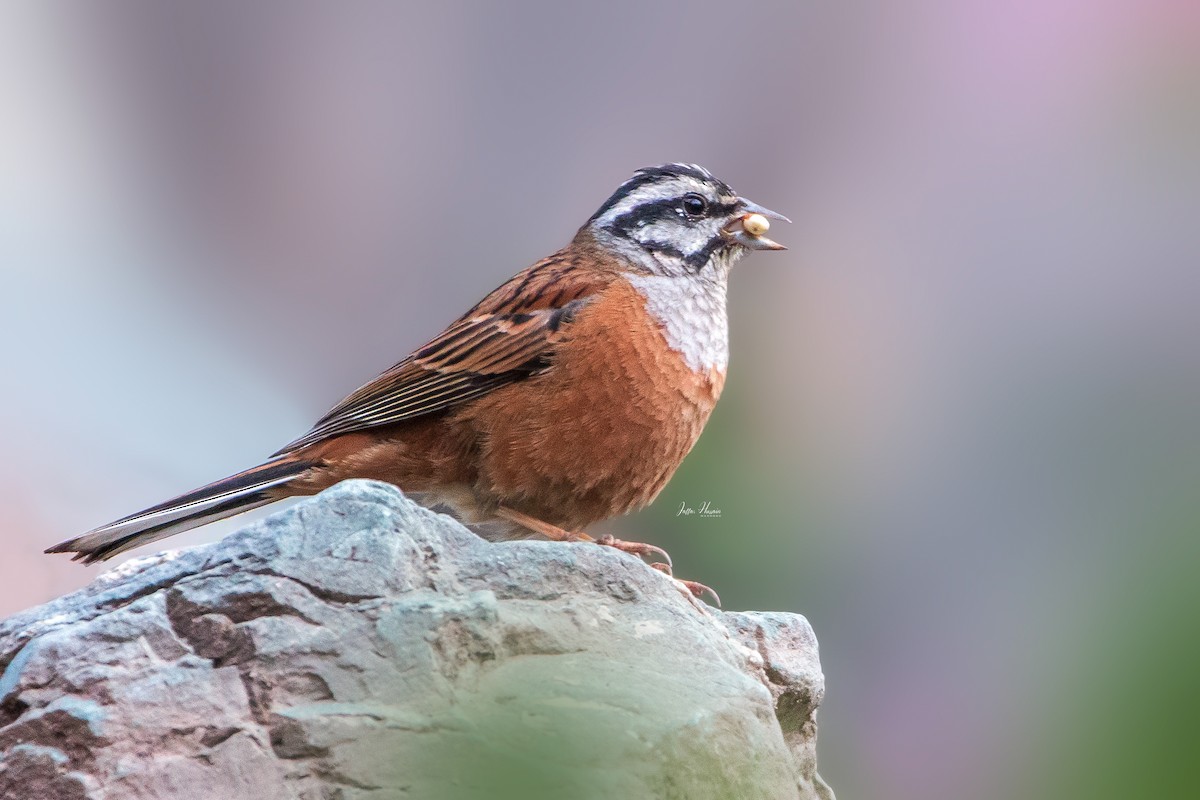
point(694, 205)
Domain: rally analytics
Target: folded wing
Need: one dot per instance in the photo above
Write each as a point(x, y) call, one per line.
point(487, 349)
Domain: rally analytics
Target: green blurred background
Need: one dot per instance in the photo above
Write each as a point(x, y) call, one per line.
point(961, 430)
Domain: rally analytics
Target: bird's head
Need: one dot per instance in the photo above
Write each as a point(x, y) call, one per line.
point(679, 220)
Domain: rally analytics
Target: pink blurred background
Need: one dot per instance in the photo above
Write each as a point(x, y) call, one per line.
point(961, 431)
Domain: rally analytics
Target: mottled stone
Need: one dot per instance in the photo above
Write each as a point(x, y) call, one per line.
point(360, 646)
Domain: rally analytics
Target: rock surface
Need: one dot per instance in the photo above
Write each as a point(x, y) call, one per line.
point(360, 646)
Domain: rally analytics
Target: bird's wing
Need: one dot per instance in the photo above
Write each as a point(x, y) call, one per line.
point(506, 338)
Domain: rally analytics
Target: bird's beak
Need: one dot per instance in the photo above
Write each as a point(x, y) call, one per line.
point(749, 225)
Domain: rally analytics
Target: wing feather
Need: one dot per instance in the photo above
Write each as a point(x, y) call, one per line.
point(506, 338)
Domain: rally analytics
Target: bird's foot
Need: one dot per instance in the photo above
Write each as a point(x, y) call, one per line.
point(694, 589)
point(557, 534)
point(639, 549)
point(698, 591)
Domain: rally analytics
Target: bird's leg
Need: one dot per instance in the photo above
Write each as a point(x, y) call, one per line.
point(694, 589)
point(557, 534)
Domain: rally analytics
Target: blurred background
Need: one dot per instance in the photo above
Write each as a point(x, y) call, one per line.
point(961, 430)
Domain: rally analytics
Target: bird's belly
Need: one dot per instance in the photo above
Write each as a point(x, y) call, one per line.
point(601, 432)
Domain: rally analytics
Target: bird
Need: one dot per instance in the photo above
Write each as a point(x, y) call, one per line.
point(567, 396)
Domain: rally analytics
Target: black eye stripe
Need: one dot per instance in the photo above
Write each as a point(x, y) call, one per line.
point(645, 214)
point(656, 210)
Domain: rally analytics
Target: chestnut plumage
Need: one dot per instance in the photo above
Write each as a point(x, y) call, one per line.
point(568, 395)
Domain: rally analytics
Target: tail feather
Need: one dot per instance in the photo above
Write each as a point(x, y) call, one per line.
point(224, 498)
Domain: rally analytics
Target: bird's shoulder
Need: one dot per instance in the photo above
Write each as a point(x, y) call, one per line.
point(576, 272)
point(509, 335)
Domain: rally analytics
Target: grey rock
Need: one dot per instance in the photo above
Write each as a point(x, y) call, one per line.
point(360, 647)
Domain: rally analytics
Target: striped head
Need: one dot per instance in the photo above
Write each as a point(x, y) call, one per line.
point(678, 220)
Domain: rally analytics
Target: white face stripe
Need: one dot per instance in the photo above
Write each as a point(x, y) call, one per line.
point(653, 192)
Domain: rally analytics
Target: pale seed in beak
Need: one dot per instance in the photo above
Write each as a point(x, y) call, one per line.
point(755, 224)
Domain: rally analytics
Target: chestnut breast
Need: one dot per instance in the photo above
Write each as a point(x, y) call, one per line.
point(602, 431)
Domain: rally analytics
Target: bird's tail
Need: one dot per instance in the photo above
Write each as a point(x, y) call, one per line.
point(225, 498)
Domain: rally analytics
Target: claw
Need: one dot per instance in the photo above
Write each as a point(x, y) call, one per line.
point(698, 590)
point(694, 588)
point(639, 549)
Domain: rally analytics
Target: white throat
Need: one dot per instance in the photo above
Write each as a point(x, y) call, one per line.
point(691, 310)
